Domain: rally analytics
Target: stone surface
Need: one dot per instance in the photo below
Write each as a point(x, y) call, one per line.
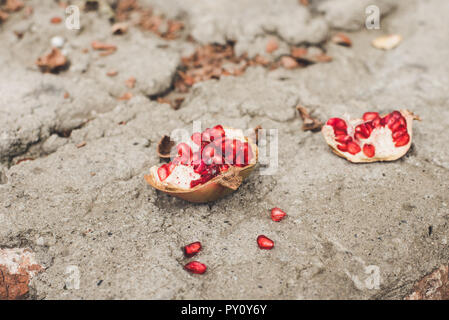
point(352, 231)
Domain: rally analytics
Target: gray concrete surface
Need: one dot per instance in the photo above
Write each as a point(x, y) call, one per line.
point(347, 224)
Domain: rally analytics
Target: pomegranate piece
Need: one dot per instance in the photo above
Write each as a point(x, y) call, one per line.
point(371, 138)
point(196, 267)
point(208, 155)
point(265, 243)
point(192, 249)
point(277, 214)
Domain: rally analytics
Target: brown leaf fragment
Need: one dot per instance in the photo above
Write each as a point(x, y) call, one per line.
point(309, 123)
point(163, 100)
point(102, 46)
point(13, 5)
point(164, 147)
point(289, 63)
point(304, 2)
point(66, 95)
point(434, 286)
point(177, 103)
point(119, 28)
point(131, 82)
point(342, 39)
point(322, 58)
point(81, 144)
point(298, 53)
point(52, 62)
point(112, 73)
point(387, 42)
point(23, 160)
point(125, 96)
point(3, 16)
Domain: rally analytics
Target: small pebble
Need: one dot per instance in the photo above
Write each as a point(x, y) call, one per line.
point(57, 42)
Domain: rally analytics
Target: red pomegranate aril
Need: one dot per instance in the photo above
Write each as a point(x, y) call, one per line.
point(196, 138)
point(192, 249)
point(362, 132)
point(265, 243)
point(403, 140)
point(163, 172)
point(399, 132)
point(368, 116)
point(224, 167)
point(369, 150)
point(337, 123)
point(343, 139)
point(198, 168)
point(277, 214)
point(342, 147)
point(208, 151)
point(353, 147)
point(340, 132)
point(196, 267)
point(206, 135)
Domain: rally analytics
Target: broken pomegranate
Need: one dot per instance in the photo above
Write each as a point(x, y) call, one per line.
point(277, 214)
point(265, 243)
point(196, 267)
point(192, 249)
point(208, 166)
point(372, 138)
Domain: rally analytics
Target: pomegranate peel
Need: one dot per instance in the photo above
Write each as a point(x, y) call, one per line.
point(371, 138)
point(206, 186)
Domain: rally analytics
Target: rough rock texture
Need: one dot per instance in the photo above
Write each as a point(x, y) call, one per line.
point(83, 207)
point(17, 268)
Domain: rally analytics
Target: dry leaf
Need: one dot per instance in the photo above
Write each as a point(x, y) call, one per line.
point(3, 16)
point(52, 62)
point(13, 5)
point(272, 45)
point(289, 63)
point(112, 73)
point(387, 42)
point(130, 83)
point(309, 123)
point(97, 45)
point(125, 96)
point(342, 39)
point(82, 144)
point(164, 147)
point(66, 95)
point(177, 103)
point(298, 53)
point(119, 28)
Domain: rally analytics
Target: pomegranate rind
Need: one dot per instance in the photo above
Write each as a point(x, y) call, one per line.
point(216, 188)
point(329, 136)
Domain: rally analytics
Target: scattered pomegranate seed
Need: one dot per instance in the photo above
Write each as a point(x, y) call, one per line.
point(369, 150)
point(56, 20)
point(196, 267)
point(277, 214)
point(265, 243)
point(192, 249)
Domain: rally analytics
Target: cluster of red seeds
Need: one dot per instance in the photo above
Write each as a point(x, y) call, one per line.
point(263, 242)
point(215, 155)
point(394, 121)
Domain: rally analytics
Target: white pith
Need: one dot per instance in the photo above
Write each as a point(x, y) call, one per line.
point(183, 175)
point(380, 138)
